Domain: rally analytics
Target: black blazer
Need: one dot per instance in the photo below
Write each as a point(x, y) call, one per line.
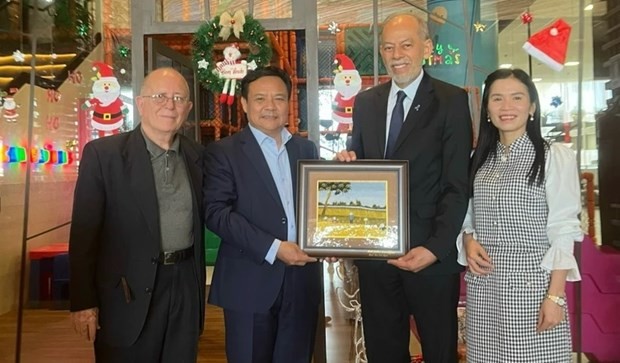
point(436, 139)
point(115, 233)
point(243, 207)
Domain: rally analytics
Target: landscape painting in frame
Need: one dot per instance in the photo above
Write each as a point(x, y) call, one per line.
point(355, 209)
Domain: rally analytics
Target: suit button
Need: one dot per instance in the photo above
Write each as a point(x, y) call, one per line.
point(154, 260)
point(148, 290)
point(283, 220)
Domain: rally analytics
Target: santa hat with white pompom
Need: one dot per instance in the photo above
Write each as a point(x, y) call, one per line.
point(549, 45)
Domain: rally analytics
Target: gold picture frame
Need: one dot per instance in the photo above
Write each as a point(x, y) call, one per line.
point(358, 209)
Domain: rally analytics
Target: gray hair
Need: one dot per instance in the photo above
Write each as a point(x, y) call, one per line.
point(423, 24)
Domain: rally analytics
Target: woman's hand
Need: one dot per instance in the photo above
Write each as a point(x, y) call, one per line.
point(549, 316)
point(478, 260)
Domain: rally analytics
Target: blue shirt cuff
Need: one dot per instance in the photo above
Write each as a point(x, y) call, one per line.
point(273, 251)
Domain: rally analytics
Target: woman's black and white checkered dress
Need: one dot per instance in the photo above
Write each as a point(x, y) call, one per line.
point(510, 219)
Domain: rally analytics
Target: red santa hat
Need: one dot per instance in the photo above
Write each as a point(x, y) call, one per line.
point(549, 44)
point(104, 71)
point(344, 64)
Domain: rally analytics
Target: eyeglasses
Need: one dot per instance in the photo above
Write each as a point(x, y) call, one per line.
point(162, 99)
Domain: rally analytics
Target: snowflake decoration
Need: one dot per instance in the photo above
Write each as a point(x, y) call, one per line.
point(479, 27)
point(18, 56)
point(333, 28)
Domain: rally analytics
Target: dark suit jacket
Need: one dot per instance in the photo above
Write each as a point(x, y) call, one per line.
point(115, 233)
point(436, 139)
point(243, 207)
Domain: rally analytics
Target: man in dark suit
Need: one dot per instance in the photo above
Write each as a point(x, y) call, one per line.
point(269, 288)
point(436, 139)
point(136, 245)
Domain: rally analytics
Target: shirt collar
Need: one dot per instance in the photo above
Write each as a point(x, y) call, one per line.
point(410, 90)
point(155, 150)
point(260, 136)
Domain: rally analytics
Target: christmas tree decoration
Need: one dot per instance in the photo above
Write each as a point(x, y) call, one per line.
point(479, 27)
point(550, 44)
point(9, 109)
point(18, 56)
point(556, 101)
point(124, 51)
point(526, 17)
point(333, 28)
point(249, 31)
point(232, 24)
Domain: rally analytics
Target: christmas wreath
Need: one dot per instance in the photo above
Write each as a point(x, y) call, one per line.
point(246, 29)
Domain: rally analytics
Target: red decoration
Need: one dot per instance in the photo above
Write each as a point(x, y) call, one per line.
point(75, 77)
point(53, 96)
point(526, 17)
point(53, 123)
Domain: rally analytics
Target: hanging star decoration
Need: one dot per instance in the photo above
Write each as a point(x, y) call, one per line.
point(124, 51)
point(232, 24)
point(203, 64)
point(479, 27)
point(556, 101)
point(526, 17)
point(18, 56)
point(333, 28)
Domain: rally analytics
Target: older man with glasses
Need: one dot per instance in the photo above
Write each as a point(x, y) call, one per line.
point(136, 245)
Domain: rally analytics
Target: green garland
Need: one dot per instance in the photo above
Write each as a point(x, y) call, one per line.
point(205, 38)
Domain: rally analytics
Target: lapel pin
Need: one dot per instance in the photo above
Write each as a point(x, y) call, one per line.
point(417, 108)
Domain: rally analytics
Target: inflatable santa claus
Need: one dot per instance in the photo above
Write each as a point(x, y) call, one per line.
point(108, 110)
point(348, 83)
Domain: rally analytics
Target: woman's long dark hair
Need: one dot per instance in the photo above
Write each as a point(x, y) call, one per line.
point(488, 135)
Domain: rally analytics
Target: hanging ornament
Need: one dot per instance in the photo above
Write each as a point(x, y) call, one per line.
point(123, 51)
point(333, 28)
point(479, 27)
point(52, 122)
point(203, 64)
point(54, 56)
point(82, 30)
point(70, 144)
point(123, 71)
point(18, 56)
point(526, 17)
point(556, 101)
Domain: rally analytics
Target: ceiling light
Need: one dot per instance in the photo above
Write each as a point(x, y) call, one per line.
point(536, 79)
point(505, 65)
point(571, 64)
point(589, 7)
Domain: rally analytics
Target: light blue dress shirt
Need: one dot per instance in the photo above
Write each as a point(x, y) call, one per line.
point(280, 169)
point(410, 91)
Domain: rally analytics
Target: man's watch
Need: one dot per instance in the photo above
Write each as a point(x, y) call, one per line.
point(560, 300)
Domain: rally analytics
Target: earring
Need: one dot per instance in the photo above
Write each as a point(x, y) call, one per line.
point(488, 119)
point(531, 118)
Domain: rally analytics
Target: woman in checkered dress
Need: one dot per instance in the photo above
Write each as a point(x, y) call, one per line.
point(519, 231)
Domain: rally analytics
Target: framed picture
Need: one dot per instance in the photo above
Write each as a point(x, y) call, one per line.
point(357, 209)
